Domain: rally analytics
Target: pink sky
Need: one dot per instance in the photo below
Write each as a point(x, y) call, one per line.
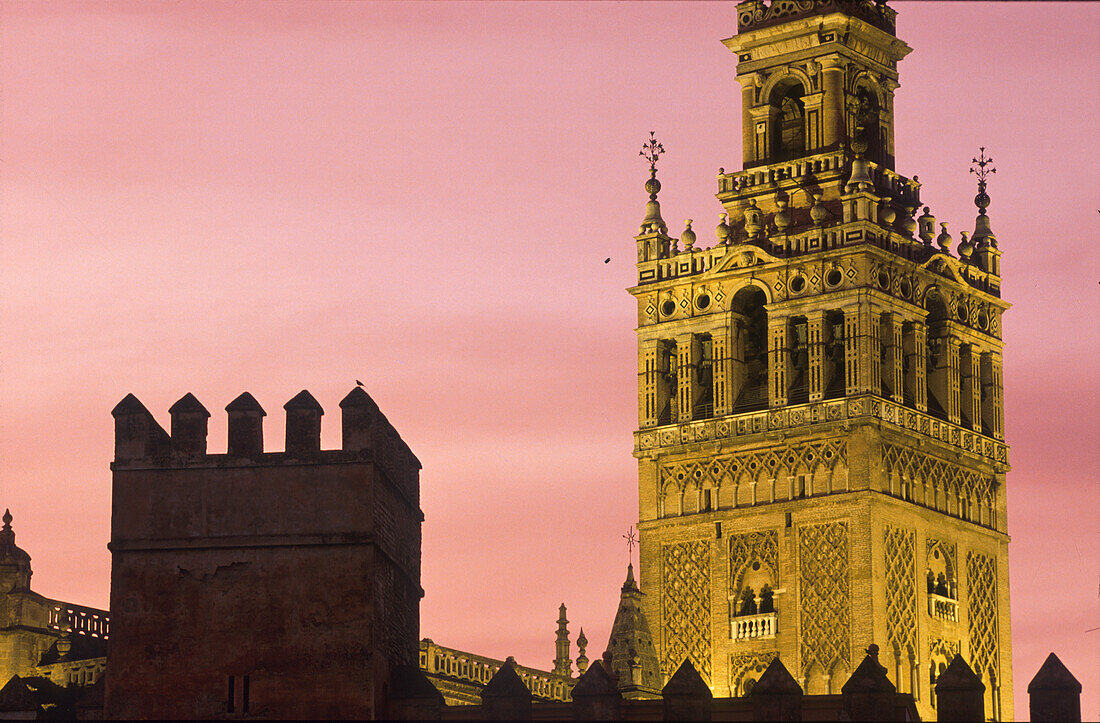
point(269, 197)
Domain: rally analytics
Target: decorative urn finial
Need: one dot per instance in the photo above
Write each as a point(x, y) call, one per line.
point(722, 231)
point(688, 236)
point(965, 247)
point(782, 216)
point(944, 239)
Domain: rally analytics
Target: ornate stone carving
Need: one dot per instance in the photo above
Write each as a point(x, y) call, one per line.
point(945, 478)
point(901, 591)
point(747, 466)
point(743, 667)
point(752, 546)
point(981, 609)
point(825, 616)
point(685, 606)
point(940, 648)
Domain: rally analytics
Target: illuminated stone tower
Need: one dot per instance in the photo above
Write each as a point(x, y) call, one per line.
point(821, 457)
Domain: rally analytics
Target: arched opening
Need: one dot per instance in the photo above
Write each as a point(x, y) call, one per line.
point(866, 129)
point(749, 354)
point(942, 369)
point(789, 121)
point(833, 355)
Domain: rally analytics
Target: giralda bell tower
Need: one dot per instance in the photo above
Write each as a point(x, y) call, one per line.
point(821, 456)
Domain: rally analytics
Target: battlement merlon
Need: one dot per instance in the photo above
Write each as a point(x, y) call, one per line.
point(141, 443)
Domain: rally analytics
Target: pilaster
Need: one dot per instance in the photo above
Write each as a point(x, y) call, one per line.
point(815, 343)
point(779, 360)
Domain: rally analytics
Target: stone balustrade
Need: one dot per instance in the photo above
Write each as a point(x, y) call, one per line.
point(816, 413)
point(80, 620)
point(438, 660)
point(750, 627)
point(943, 608)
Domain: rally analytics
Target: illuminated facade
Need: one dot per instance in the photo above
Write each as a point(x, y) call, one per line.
point(821, 455)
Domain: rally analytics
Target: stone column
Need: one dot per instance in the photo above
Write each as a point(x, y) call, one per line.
point(688, 352)
point(779, 360)
point(815, 347)
point(833, 121)
point(748, 141)
point(992, 393)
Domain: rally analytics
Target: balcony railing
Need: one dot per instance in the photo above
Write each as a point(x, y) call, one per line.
point(750, 627)
point(943, 608)
point(673, 434)
point(79, 620)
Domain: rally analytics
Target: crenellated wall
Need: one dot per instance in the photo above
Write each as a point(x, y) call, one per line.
point(274, 584)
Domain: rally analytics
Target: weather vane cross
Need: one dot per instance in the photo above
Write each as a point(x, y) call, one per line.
point(981, 162)
point(652, 151)
point(631, 538)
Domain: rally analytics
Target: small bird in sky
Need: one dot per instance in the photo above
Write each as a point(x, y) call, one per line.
point(607, 260)
point(358, 383)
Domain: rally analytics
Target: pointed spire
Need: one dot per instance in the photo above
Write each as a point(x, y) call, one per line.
point(7, 520)
point(629, 585)
point(632, 655)
point(563, 665)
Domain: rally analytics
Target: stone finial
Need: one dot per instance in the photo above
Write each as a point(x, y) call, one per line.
point(7, 521)
point(582, 659)
point(505, 696)
point(596, 697)
point(887, 214)
point(868, 694)
point(782, 216)
point(189, 426)
point(1055, 695)
point(688, 236)
point(776, 696)
point(723, 231)
point(960, 693)
point(908, 223)
point(246, 431)
point(944, 239)
point(687, 696)
point(303, 425)
point(818, 212)
point(965, 247)
point(412, 696)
